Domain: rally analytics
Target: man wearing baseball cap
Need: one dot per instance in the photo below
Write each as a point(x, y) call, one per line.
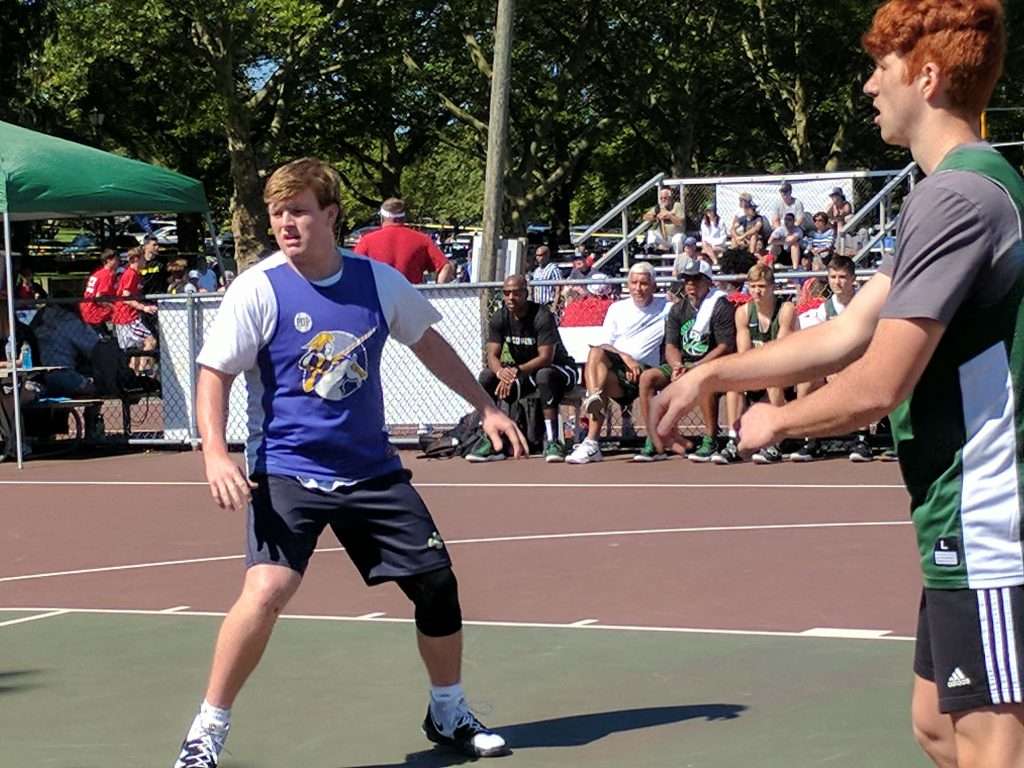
point(699, 328)
point(689, 254)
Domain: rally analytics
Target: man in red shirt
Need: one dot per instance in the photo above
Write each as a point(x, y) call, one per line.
point(131, 331)
point(101, 283)
point(410, 252)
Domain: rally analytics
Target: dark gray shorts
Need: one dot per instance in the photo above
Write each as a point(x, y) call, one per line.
point(382, 523)
point(970, 643)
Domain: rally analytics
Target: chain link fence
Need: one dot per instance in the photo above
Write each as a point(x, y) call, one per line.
point(415, 401)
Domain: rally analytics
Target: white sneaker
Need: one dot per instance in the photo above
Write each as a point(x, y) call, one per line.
point(585, 453)
point(202, 747)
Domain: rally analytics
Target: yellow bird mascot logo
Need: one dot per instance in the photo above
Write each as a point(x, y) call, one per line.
point(334, 365)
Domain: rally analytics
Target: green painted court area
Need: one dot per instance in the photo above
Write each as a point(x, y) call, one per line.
point(80, 690)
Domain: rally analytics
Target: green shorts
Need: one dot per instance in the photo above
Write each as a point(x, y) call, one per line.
point(666, 369)
point(630, 389)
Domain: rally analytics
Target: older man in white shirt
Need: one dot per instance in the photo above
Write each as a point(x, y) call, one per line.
point(633, 332)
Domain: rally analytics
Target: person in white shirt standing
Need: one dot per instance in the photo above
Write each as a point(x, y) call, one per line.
point(307, 327)
point(632, 336)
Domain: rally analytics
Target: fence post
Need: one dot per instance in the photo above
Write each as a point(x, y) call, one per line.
point(193, 353)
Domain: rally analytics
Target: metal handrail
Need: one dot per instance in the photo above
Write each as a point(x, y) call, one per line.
point(883, 193)
point(774, 178)
point(874, 240)
point(611, 253)
point(621, 206)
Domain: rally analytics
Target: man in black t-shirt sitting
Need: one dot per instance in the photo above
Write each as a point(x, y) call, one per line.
point(699, 329)
point(539, 363)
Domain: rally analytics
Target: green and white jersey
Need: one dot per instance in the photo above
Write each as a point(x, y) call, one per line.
point(960, 260)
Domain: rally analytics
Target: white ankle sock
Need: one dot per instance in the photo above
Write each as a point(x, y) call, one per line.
point(215, 718)
point(445, 701)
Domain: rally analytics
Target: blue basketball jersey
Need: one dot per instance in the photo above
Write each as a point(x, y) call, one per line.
point(322, 402)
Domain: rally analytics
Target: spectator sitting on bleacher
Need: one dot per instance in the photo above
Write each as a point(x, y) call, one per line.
point(689, 253)
point(713, 234)
point(631, 339)
point(592, 308)
point(698, 329)
point(667, 217)
point(786, 203)
point(748, 226)
point(759, 321)
point(547, 295)
point(537, 362)
point(131, 332)
point(821, 240)
point(788, 238)
point(101, 283)
point(839, 208)
point(581, 262)
point(65, 341)
point(843, 285)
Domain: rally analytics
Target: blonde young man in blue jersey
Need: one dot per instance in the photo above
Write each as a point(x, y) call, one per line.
point(936, 338)
point(307, 327)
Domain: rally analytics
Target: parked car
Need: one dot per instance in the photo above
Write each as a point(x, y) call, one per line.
point(166, 235)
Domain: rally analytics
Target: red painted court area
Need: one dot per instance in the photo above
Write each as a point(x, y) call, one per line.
point(790, 548)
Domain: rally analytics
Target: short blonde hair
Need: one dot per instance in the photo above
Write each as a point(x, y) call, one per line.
point(760, 272)
point(296, 177)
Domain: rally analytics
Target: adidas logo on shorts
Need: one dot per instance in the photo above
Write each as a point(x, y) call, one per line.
point(958, 679)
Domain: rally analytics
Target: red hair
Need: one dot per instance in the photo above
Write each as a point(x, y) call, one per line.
point(965, 38)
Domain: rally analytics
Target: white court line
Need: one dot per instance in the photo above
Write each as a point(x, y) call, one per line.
point(645, 486)
point(373, 615)
point(50, 613)
point(490, 540)
point(584, 623)
point(854, 634)
point(504, 624)
point(176, 609)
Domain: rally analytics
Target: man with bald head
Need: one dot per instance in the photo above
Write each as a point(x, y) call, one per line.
point(525, 354)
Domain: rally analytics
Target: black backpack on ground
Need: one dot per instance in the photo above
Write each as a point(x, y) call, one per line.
point(457, 441)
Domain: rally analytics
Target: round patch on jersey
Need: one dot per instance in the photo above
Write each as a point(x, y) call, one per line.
point(303, 322)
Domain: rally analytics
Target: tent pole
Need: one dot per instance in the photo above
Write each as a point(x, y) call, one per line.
point(213, 239)
point(9, 285)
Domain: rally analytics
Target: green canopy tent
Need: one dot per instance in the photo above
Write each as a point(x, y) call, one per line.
point(43, 177)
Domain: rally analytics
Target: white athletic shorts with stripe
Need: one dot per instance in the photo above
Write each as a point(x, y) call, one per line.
point(131, 335)
point(970, 643)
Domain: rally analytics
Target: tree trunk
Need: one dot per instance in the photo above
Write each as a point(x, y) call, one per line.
point(249, 220)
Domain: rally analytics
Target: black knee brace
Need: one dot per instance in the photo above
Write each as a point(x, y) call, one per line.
point(436, 597)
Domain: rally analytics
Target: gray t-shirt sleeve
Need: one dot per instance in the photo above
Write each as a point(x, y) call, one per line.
point(943, 246)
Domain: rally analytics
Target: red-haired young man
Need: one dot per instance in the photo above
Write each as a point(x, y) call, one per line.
point(936, 338)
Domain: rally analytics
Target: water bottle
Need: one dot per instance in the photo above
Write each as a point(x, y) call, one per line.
point(26, 355)
point(9, 351)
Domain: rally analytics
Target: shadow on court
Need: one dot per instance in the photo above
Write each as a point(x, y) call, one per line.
point(574, 731)
point(18, 681)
